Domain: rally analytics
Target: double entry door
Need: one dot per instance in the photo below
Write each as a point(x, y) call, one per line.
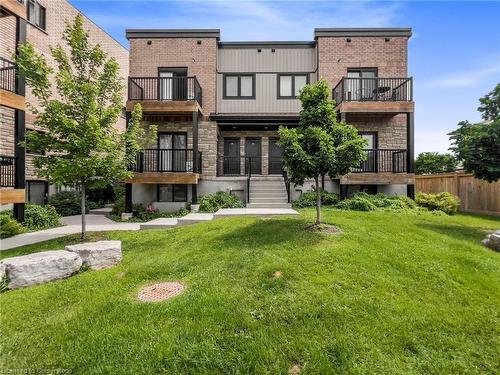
point(364, 88)
point(173, 84)
point(232, 160)
point(172, 153)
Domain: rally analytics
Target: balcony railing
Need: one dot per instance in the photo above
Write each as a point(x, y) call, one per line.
point(239, 165)
point(166, 160)
point(7, 75)
point(7, 171)
point(164, 89)
point(373, 90)
point(383, 161)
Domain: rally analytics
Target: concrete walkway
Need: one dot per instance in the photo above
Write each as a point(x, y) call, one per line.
point(100, 223)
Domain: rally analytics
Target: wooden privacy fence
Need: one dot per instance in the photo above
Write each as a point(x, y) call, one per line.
point(475, 195)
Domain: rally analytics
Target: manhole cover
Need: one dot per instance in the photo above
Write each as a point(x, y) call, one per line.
point(160, 292)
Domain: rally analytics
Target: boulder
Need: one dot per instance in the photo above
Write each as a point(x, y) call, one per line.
point(492, 241)
point(98, 255)
point(2, 271)
point(38, 268)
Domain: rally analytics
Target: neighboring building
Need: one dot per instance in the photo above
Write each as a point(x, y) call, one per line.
point(218, 106)
point(42, 23)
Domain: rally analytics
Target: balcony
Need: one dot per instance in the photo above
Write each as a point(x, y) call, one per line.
point(374, 95)
point(175, 95)
point(167, 166)
point(7, 171)
point(10, 95)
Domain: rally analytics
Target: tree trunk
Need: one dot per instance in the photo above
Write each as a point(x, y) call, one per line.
point(83, 212)
point(318, 201)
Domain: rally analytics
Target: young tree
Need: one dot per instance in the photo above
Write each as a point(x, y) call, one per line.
point(434, 162)
point(478, 145)
point(78, 105)
point(320, 145)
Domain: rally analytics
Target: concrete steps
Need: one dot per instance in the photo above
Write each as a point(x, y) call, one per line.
point(268, 192)
point(194, 218)
point(161, 223)
point(101, 211)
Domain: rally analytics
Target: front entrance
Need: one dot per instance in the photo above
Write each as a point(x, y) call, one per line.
point(275, 157)
point(231, 159)
point(253, 154)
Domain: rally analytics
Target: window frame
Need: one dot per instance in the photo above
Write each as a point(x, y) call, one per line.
point(39, 16)
point(293, 75)
point(239, 96)
point(185, 198)
point(362, 70)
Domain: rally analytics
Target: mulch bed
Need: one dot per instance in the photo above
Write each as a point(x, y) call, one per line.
point(323, 228)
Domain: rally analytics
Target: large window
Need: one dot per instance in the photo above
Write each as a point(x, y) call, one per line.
point(289, 85)
point(239, 86)
point(172, 193)
point(36, 14)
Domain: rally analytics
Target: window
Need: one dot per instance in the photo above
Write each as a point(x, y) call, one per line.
point(239, 86)
point(363, 88)
point(172, 193)
point(29, 147)
point(36, 192)
point(36, 14)
point(289, 85)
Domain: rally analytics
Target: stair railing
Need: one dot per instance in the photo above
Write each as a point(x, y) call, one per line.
point(287, 184)
point(249, 176)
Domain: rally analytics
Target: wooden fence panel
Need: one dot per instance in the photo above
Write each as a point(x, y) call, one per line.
point(475, 195)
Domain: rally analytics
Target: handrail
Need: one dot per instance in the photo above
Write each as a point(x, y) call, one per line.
point(287, 184)
point(373, 89)
point(7, 75)
point(7, 170)
point(383, 161)
point(165, 160)
point(165, 89)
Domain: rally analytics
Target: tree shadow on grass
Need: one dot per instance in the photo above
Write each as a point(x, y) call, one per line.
point(458, 232)
point(272, 231)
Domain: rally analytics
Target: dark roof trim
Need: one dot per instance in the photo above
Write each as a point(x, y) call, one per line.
point(172, 33)
point(353, 32)
point(281, 44)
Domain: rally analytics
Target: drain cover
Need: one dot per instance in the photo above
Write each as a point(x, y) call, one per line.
point(160, 292)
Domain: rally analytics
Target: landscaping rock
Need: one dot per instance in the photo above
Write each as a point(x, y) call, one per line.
point(492, 241)
point(98, 255)
point(41, 267)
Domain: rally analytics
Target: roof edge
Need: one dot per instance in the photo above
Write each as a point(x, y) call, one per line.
point(268, 44)
point(172, 33)
point(363, 32)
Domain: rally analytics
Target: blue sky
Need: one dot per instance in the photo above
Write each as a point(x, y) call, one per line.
point(454, 54)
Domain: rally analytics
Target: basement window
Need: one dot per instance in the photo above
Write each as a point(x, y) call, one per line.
point(172, 193)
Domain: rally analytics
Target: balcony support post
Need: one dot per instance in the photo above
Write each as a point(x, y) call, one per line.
point(194, 191)
point(342, 116)
point(20, 128)
point(410, 153)
point(343, 191)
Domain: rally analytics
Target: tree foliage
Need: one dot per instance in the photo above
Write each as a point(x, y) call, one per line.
point(78, 104)
point(321, 145)
point(434, 162)
point(478, 145)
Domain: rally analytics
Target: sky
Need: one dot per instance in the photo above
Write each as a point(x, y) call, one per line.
point(454, 53)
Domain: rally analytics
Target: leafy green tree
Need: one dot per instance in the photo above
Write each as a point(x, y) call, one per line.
point(320, 146)
point(478, 145)
point(78, 104)
point(434, 162)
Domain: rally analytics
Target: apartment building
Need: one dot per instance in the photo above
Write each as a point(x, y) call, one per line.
point(42, 23)
point(218, 106)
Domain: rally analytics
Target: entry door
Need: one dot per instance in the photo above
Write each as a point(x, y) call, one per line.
point(253, 154)
point(172, 154)
point(231, 161)
point(370, 164)
point(173, 84)
point(361, 89)
point(275, 157)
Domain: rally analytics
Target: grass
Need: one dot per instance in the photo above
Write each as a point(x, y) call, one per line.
point(391, 294)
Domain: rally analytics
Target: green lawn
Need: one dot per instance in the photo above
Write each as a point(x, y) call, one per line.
point(393, 294)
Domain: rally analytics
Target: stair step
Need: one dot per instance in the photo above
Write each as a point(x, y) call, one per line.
point(269, 205)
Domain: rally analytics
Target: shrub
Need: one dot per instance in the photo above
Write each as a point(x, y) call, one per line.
point(446, 202)
point(67, 203)
point(40, 217)
point(221, 199)
point(308, 199)
point(119, 206)
point(9, 226)
point(357, 203)
point(100, 196)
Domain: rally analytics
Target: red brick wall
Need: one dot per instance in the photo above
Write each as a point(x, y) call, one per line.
point(199, 59)
point(336, 55)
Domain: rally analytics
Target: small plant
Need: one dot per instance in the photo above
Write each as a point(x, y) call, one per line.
point(119, 206)
point(308, 199)
point(221, 199)
point(9, 226)
point(40, 217)
point(371, 202)
point(66, 203)
point(446, 202)
point(357, 203)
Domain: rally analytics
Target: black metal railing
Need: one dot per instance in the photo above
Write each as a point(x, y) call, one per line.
point(166, 160)
point(383, 161)
point(7, 171)
point(238, 165)
point(287, 185)
point(373, 89)
point(7, 75)
point(164, 89)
